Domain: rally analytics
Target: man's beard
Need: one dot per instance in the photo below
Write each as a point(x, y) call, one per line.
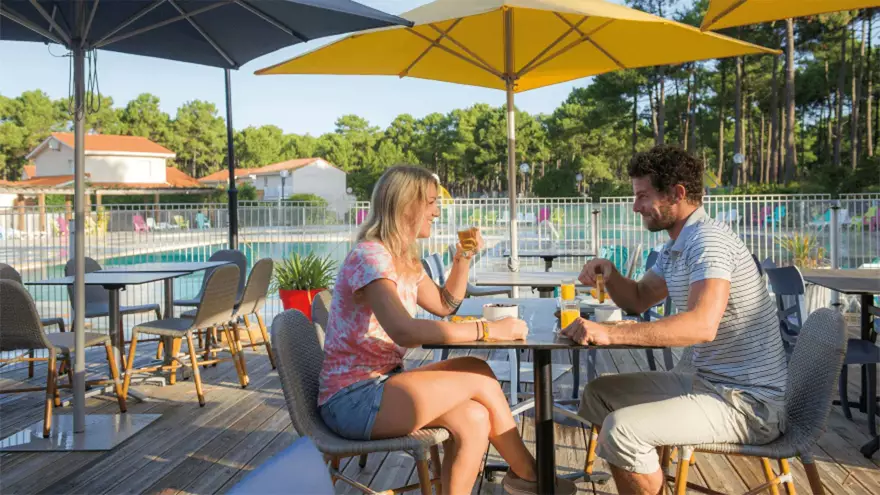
point(665, 221)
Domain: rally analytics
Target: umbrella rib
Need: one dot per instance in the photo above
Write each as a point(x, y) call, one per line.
point(14, 16)
point(61, 19)
point(271, 20)
point(596, 45)
point(466, 49)
point(198, 28)
point(434, 43)
point(116, 39)
point(128, 22)
point(725, 12)
point(549, 47)
point(571, 45)
point(85, 35)
point(52, 23)
point(456, 54)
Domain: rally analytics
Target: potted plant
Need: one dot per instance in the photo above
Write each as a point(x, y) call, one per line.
point(298, 278)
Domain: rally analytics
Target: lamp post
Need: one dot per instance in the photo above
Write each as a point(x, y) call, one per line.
point(579, 178)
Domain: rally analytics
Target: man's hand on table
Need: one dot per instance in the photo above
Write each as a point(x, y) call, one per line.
point(585, 332)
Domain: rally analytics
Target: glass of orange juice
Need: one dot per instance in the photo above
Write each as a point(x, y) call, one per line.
point(569, 311)
point(566, 290)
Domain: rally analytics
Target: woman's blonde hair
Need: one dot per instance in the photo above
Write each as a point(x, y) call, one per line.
point(401, 192)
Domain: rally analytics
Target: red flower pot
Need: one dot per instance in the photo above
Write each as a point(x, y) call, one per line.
point(299, 299)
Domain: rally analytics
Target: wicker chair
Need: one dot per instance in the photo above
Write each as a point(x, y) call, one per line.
point(298, 345)
point(21, 330)
point(252, 301)
point(233, 255)
point(813, 371)
point(9, 273)
point(215, 310)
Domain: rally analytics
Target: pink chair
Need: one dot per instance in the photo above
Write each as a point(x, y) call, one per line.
point(361, 216)
point(543, 214)
point(139, 224)
point(62, 226)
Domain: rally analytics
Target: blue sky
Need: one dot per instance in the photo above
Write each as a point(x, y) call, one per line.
point(300, 104)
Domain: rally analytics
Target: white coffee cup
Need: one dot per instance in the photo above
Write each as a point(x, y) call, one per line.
point(608, 313)
point(493, 312)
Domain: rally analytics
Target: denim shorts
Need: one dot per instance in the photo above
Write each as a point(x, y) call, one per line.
point(352, 411)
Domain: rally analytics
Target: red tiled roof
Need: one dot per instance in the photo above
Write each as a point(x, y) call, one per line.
point(110, 143)
point(30, 171)
point(223, 175)
point(174, 179)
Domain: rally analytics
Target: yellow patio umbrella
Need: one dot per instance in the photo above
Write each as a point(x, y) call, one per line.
point(730, 13)
point(515, 45)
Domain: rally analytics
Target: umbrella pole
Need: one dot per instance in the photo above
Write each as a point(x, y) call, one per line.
point(230, 160)
point(79, 289)
point(513, 261)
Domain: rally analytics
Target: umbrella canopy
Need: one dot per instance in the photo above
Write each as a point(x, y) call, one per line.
point(730, 13)
point(217, 33)
point(220, 33)
point(516, 45)
point(550, 42)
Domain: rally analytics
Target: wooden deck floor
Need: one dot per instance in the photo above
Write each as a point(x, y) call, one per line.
point(207, 450)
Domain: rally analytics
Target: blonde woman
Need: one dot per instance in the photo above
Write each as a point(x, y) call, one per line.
point(366, 394)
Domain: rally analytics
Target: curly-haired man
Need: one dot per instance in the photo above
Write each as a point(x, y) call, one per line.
point(733, 386)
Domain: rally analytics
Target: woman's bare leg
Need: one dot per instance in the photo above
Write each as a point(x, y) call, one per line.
point(415, 399)
point(468, 425)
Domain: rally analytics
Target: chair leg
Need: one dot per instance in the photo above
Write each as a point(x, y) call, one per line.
point(841, 390)
point(652, 363)
point(197, 378)
point(665, 458)
point(786, 471)
point(813, 477)
point(175, 350)
point(769, 475)
point(51, 384)
point(132, 347)
point(872, 398)
point(252, 336)
point(230, 341)
point(159, 348)
point(362, 461)
point(114, 374)
point(681, 477)
point(236, 339)
point(30, 364)
point(591, 450)
point(424, 476)
point(436, 467)
point(267, 341)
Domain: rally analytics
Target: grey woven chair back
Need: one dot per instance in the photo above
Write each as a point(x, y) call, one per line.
point(218, 298)
point(321, 312)
point(257, 287)
point(94, 294)
point(768, 263)
point(652, 259)
point(9, 273)
point(232, 255)
point(296, 342)
point(21, 328)
point(812, 376)
point(788, 285)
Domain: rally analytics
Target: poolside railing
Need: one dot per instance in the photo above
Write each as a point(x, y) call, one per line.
point(36, 240)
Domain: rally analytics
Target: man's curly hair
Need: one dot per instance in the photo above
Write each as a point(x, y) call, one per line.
point(668, 166)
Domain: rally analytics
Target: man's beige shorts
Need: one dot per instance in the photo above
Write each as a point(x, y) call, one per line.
point(641, 411)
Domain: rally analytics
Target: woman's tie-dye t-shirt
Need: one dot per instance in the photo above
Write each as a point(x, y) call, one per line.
point(356, 347)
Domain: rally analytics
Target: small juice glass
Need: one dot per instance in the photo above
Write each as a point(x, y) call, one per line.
point(569, 311)
point(566, 290)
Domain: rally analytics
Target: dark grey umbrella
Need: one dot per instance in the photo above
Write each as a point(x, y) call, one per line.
point(219, 33)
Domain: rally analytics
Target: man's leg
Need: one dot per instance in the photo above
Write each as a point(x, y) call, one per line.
point(677, 409)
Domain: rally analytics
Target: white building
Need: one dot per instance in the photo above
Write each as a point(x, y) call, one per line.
point(110, 159)
point(299, 176)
